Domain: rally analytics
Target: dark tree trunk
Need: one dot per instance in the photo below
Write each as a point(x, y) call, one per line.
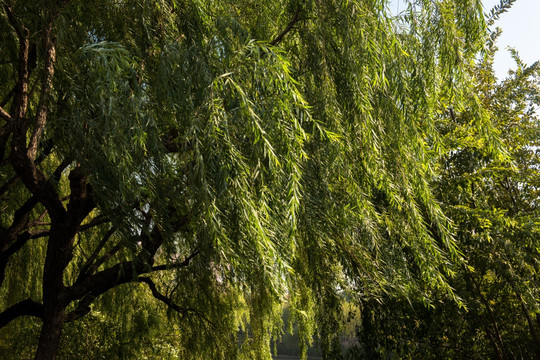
point(59, 252)
point(51, 331)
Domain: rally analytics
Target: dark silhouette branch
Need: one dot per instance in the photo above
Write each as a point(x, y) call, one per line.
point(82, 309)
point(26, 307)
point(98, 220)
point(21, 215)
point(46, 150)
point(23, 161)
point(88, 265)
point(169, 302)
point(13, 22)
point(20, 220)
point(44, 233)
point(5, 131)
point(104, 258)
point(155, 293)
point(12, 240)
point(115, 275)
point(176, 265)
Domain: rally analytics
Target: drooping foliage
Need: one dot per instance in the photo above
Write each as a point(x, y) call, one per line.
point(493, 203)
point(219, 158)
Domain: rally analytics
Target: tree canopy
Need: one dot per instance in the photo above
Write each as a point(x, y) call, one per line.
point(222, 157)
point(493, 203)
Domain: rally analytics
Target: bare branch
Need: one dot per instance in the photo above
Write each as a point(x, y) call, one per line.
point(83, 307)
point(87, 266)
point(160, 296)
point(169, 302)
point(46, 151)
point(176, 265)
point(98, 220)
point(104, 280)
point(21, 159)
point(121, 273)
point(21, 216)
point(26, 307)
point(4, 135)
point(102, 259)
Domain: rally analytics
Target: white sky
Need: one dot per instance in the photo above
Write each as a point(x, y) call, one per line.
point(521, 30)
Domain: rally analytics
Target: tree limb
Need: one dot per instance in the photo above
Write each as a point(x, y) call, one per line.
point(176, 265)
point(82, 309)
point(15, 25)
point(26, 307)
point(169, 302)
point(118, 274)
point(289, 27)
point(88, 265)
point(4, 136)
point(42, 110)
point(5, 115)
point(160, 296)
point(98, 220)
point(11, 240)
point(8, 184)
point(20, 219)
point(46, 151)
point(23, 164)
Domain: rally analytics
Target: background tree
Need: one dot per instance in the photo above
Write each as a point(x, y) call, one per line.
point(494, 205)
point(221, 155)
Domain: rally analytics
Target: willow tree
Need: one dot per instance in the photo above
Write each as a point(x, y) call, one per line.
point(493, 203)
point(255, 152)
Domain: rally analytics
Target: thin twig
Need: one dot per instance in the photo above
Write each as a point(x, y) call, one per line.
point(289, 27)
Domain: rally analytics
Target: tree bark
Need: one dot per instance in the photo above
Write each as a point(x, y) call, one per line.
point(58, 256)
point(51, 331)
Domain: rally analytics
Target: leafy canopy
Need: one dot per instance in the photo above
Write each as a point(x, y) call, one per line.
point(269, 151)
